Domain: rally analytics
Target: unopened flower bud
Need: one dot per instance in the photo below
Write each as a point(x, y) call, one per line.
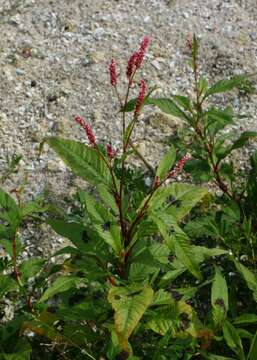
point(110, 152)
point(113, 72)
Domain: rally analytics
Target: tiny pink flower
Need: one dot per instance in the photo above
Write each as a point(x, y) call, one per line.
point(87, 128)
point(140, 98)
point(113, 72)
point(110, 151)
point(179, 166)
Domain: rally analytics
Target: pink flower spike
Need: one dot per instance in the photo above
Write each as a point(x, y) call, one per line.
point(87, 128)
point(141, 53)
point(131, 65)
point(110, 151)
point(179, 166)
point(140, 98)
point(113, 72)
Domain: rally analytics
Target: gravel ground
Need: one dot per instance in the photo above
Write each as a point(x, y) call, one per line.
point(54, 56)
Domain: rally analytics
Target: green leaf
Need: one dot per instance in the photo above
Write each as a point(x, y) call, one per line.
point(232, 339)
point(217, 120)
point(129, 304)
point(252, 355)
point(9, 211)
point(31, 208)
point(7, 284)
point(225, 85)
point(83, 160)
point(200, 170)
point(168, 106)
point(21, 351)
point(183, 101)
point(219, 298)
point(184, 255)
point(243, 139)
point(171, 276)
point(166, 163)
point(203, 85)
point(61, 284)
point(70, 230)
point(103, 221)
point(201, 253)
point(166, 317)
point(179, 199)
point(30, 268)
point(217, 357)
point(245, 319)
point(250, 277)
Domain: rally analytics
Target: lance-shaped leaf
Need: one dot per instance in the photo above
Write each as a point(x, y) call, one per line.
point(243, 139)
point(10, 213)
point(219, 298)
point(83, 160)
point(252, 355)
point(232, 339)
point(249, 277)
point(178, 242)
point(129, 304)
point(166, 163)
point(225, 85)
point(103, 221)
point(61, 284)
point(168, 106)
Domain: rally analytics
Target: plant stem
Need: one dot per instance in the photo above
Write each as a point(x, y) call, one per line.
point(14, 260)
point(142, 158)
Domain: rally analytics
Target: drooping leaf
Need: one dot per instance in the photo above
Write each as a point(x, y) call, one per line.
point(83, 160)
point(129, 304)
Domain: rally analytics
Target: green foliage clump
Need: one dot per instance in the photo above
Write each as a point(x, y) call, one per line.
point(158, 270)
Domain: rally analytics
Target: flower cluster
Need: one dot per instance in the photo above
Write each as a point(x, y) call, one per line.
point(87, 128)
point(113, 72)
point(178, 167)
point(140, 98)
point(110, 152)
point(136, 59)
